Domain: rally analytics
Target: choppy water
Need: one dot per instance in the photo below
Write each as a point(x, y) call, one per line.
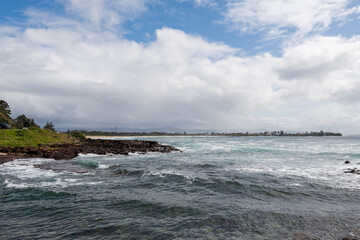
point(217, 188)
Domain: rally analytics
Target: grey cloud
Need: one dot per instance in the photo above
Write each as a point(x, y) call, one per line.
point(316, 71)
point(76, 78)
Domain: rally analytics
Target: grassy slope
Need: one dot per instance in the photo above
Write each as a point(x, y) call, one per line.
point(32, 137)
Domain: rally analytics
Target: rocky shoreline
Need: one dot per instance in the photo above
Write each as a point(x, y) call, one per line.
point(72, 150)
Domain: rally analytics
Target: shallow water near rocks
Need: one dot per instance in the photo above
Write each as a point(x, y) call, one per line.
point(217, 188)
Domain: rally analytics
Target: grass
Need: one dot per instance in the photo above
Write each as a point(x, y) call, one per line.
point(32, 137)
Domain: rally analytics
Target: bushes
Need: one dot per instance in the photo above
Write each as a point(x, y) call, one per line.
point(5, 108)
point(23, 122)
point(5, 113)
point(50, 126)
point(78, 136)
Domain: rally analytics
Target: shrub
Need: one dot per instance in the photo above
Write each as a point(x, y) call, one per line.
point(50, 126)
point(23, 122)
point(5, 108)
point(78, 136)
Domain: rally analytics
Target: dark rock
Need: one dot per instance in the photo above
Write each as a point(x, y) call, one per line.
point(301, 236)
point(350, 238)
point(347, 162)
point(352, 170)
point(96, 146)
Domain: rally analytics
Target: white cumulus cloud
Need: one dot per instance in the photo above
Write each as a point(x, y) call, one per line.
point(105, 13)
point(79, 77)
point(284, 17)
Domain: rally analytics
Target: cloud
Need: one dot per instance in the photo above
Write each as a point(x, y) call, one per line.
point(177, 80)
point(325, 66)
point(277, 18)
point(105, 14)
point(202, 3)
point(322, 75)
point(76, 76)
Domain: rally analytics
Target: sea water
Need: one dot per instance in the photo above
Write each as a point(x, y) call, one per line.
point(216, 188)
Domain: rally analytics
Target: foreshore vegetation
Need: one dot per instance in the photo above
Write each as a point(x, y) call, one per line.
point(33, 137)
point(24, 132)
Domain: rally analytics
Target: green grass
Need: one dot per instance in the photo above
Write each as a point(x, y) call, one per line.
point(32, 137)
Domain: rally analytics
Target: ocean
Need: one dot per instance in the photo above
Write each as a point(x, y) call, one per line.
point(216, 188)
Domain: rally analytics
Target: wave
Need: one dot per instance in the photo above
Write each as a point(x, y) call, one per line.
point(341, 155)
point(47, 183)
point(153, 208)
point(329, 175)
point(86, 163)
point(171, 176)
point(25, 170)
point(247, 186)
point(205, 166)
point(125, 172)
point(265, 225)
point(32, 193)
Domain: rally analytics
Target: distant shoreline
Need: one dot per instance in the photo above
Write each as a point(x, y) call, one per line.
point(100, 134)
point(193, 135)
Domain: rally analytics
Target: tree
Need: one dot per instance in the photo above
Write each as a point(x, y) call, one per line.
point(5, 108)
point(50, 126)
point(78, 135)
point(23, 122)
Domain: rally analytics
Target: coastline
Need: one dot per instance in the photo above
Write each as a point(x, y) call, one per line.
point(68, 151)
point(190, 136)
point(150, 136)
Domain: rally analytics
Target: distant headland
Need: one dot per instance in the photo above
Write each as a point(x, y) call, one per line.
point(23, 138)
point(235, 134)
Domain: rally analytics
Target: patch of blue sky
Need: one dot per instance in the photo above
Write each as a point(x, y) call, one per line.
point(14, 12)
point(348, 27)
point(205, 22)
point(345, 29)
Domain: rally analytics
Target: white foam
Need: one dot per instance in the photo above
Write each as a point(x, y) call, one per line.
point(331, 175)
point(58, 183)
point(103, 166)
point(22, 173)
point(24, 169)
point(165, 172)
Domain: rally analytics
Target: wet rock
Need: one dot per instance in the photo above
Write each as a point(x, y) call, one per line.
point(352, 170)
point(351, 237)
point(347, 162)
point(95, 146)
point(301, 236)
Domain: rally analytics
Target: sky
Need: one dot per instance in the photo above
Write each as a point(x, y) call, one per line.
point(230, 65)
